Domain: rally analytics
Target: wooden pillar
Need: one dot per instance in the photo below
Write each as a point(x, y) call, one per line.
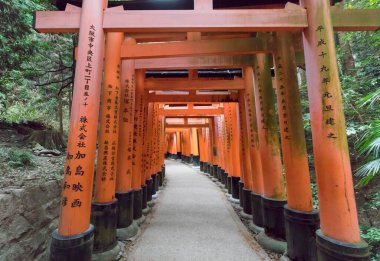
point(74, 218)
point(338, 212)
point(137, 170)
point(245, 199)
point(300, 235)
point(254, 149)
point(235, 150)
point(124, 190)
point(225, 157)
point(179, 147)
point(104, 207)
point(195, 143)
point(274, 189)
point(186, 145)
point(126, 125)
point(202, 148)
point(215, 147)
point(149, 153)
point(158, 144)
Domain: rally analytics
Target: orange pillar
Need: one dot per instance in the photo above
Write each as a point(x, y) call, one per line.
point(154, 141)
point(254, 148)
point(137, 164)
point(218, 170)
point(124, 191)
point(225, 157)
point(201, 148)
point(187, 145)
point(158, 144)
point(161, 128)
point(221, 144)
point(293, 144)
point(236, 184)
point(274, 197)
point(147, 153)
point(207, 148)
point(179, 147)
point(104, 206)
point(74, 218)
point(215, 147)
point(195, 146)
point(338, 212)
point(245, 199)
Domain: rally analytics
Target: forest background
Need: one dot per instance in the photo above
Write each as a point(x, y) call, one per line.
point(36, 85)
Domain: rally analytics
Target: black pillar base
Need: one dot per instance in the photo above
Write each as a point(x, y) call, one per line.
point(167, 155)
point(215, 171)
point(104, 219)
point(329, 249)
point(209, 169)
point(179, 155)
point(161, 179)
point(247, 204)
point(137, 203)
point(235, 187)
point(196, 161)
point(222, 176)
point(241, 186)
point(219, 173)
point(274, 220)
point(201, 166)
point(154, 179)
point(257, 210)
point(229, 184)
point(225, 175)
point(76, 247)
point(191, 159)
point(158, 181)
point(144, 196)
point(124, 209)
point(300, 234)
point(149, 184)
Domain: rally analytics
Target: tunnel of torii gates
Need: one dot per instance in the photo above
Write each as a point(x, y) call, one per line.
point(207, 85)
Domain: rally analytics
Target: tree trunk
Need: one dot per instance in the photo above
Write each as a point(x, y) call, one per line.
point(348, 62)
point(60, 114)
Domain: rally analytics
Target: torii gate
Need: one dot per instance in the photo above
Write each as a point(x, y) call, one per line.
point(339, 226)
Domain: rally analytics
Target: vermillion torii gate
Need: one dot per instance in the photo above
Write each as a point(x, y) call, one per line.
point(258, 166)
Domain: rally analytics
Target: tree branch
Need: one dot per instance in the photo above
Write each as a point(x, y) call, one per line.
point(48, 83)
point(63, 87)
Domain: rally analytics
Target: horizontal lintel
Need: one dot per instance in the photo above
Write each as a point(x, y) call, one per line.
point(196, 48)
point(192, 98)
point(179, 21)
point(355, 19)
point(195, 62)
point(193, 84)
point(293, 19)
point(192, 112)
point(187, 125)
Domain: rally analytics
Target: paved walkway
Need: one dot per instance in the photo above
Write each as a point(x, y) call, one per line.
point(193, 220)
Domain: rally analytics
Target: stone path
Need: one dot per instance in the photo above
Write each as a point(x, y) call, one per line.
point(193, 220)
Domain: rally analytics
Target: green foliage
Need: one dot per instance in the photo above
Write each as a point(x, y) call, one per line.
point(372, 236)
point(35, 69)
point(17, 158)
point(315, 195)
point(369, 146)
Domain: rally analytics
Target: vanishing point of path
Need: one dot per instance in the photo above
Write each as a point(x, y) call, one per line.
point(193, 220)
